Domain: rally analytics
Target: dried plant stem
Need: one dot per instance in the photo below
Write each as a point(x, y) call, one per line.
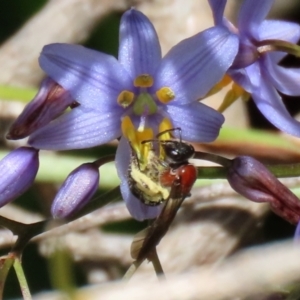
point(22, 279)
point(157, 265)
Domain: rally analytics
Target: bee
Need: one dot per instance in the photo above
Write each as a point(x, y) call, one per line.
point(152, 184)
point(167, 178)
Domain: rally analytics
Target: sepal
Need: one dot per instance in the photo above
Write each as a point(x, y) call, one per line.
point(50, 101)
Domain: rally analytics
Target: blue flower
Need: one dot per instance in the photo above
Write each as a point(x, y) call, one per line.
point(137, 94)
point(256, 67)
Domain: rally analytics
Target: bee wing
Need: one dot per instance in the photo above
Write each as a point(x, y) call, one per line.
point(138, 242)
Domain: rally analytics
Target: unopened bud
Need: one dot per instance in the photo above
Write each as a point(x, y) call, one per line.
point(17, 172)
point(76, 191)
point(253, 180)
point(48, 104)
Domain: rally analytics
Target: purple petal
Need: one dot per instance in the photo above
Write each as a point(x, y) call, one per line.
point(94, 79)
point(285, 80)
point(139, 50)
point(193, 66)
point(217, 7)
point(241, 77)
point(76, 191)
point(271, 106)
point(198, 122)
point(17, 171)
point(49, 103)
point(77, 129)
point(136, 208)
point(252, 13)
point(279, 30)
point(297, 234)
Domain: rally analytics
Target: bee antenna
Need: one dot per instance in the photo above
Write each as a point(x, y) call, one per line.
point(171, 130)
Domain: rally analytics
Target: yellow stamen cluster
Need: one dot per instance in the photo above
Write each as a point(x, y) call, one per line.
point(165, 95)
point(136, 138)
point(143, 81)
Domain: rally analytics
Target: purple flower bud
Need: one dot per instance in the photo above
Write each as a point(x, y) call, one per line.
point(297, 234)
point(17, 172)
point(49, 103)
point(253, 180)
point(76, 191)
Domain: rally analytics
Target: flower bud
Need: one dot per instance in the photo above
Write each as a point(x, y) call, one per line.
point(48, 104)
point(297, 234)
point(253, 180)
point(76, 191)
point(17, 172)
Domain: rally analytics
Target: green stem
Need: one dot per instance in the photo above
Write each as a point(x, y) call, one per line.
point(22, 279)
point(285, 170)
point(5, 265)
point(278, 45)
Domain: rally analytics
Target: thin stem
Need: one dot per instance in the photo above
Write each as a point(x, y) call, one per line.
point(6, 263)
point(212, 173)
point(132, 269)
point(225, 162)
point(105, 159)
point(157, 265)
point(288, 170)
point(278, 45)
point(22, 279)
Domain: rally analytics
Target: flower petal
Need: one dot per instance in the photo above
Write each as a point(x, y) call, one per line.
point(137, 209)
point(94, 79)
point(271, 106)
point(80, 128)
point(252, 13)
point(195, 65)
point(217, 7)
point(198, 122)
point(285, 80)
point(279, 30)
point(51, 101)
point(248, 78)
point(139, 50)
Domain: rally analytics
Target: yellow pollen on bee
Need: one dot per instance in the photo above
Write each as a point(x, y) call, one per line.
point(143, 81)
point(125, 98)
point(165, 95)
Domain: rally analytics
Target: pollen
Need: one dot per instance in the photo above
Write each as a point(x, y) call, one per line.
point(125, 98)
point(165, 95)
point(143, 81)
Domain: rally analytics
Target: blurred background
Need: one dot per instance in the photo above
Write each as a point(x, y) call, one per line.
point(213, 224)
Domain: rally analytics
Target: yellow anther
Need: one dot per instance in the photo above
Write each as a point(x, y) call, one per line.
point(165, 95)
point(125, 98)
point(144, 80)
point(232, 95)
point(136, 138)
point(165, 126)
